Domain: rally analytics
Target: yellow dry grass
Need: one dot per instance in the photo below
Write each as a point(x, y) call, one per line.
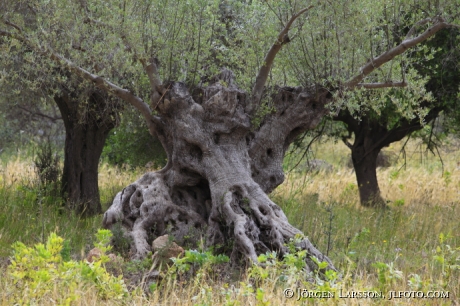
point(422, 181)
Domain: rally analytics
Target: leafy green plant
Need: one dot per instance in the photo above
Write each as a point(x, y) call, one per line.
point(197, 259)
point(130, 143)
point(355, 242)
point(387, 274)
point(36, 271)
point(399, 202)
point(448, 257)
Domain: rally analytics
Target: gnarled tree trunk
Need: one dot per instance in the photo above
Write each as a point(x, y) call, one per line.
point(86, 132)
point(219, 172)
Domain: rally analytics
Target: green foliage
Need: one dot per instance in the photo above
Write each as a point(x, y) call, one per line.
point(448, 258)
point(198, 260)
point(120, 242)
point(355, 243)
point(47, 164)
point(36, 271)
point(138, 265)
point(131, 144)
point(399, 202)
point(387, 274)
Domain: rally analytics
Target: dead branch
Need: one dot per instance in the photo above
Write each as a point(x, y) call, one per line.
point(262, 76)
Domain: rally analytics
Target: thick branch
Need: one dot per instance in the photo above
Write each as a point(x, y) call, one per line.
point(107, 86)
point(262, 76)
point(406, 127)
point(99, 81)
point(392, 53)
point(152, 72)
point(414, 27)
point(151, 69)
point(381, 85)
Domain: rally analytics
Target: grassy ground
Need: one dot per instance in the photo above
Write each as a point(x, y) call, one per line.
point(414, 246)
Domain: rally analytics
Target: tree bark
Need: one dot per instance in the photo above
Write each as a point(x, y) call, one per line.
point(365, 165)
point(219, 172)
point(86, 132)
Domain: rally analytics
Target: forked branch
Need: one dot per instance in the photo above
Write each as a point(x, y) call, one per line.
point(262, 76)
point(99, 81)
point(408, 43)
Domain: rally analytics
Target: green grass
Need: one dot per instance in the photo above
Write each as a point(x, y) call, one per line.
point(417, 240)
point(29, 214)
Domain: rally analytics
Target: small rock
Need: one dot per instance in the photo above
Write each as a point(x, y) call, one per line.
point(165, 248)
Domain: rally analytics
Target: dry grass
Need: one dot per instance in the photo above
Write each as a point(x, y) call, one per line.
point(424, 201)
point(421, 180)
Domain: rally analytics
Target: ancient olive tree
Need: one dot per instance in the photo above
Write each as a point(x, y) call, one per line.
point(225, 135)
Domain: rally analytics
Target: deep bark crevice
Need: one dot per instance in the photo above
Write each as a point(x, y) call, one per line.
point(219, 173)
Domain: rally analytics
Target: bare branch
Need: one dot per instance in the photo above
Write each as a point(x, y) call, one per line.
point(151, 68)
point(392, 53)
point(107, 86)
point(13, 25)
point(39, 114)
point(381, 85)
point(262, 76)
point(414, 27)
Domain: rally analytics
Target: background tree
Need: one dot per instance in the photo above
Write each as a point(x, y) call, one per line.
point(373, 129)
point(225, 147)
point(88, 113)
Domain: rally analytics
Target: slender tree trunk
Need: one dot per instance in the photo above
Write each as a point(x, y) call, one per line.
point(365, 165)
point(84, 142)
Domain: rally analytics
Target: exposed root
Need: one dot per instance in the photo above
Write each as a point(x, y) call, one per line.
point(146, 206)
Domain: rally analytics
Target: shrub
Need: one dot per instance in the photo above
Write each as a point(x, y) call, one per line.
point(41, 273)
point(131, 144)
